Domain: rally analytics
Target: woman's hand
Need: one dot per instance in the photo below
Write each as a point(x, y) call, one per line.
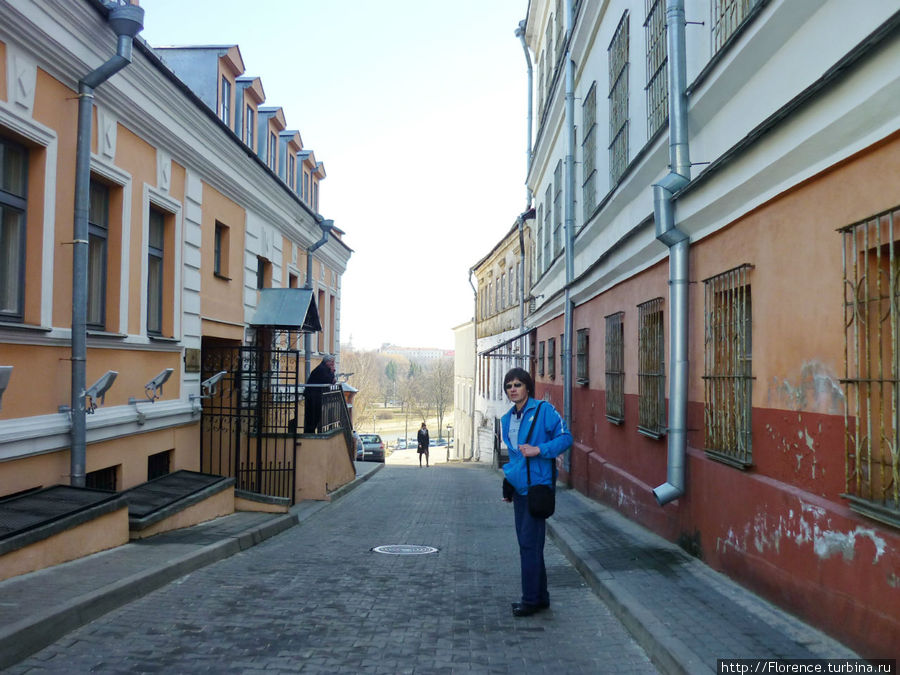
point(529, 450)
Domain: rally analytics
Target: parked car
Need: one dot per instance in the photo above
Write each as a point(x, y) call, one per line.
point(372, 448)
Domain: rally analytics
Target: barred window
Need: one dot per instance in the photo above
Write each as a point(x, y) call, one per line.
point(539, 237)
point(541, 358)
point(548, 201)
point(582, 357)
point(589, 152)
point(728, 379)
point(651, 369)
point(557, 209)
point(551, 358)
point(615, 367)
point(871, 258)
point(727, 17)
point(618, 101)
point(657, 78)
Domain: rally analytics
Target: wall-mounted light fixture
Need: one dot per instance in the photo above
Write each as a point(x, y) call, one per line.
point(153, 389)
point(97, 391)
point(5, 372)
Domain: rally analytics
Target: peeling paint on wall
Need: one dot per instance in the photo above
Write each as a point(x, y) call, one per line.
point(804, 529)
point(814, 389)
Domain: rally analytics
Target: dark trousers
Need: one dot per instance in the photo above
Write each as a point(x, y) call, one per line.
point(531, 533)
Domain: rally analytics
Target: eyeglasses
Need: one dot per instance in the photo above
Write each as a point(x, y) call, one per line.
point(514, 385)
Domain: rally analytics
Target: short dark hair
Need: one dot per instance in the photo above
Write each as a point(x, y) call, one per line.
point(522, 376)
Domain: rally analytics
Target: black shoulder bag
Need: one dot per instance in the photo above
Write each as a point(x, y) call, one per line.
point(541, 498)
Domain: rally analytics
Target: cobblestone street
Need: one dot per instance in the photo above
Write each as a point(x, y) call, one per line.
point(316, 598)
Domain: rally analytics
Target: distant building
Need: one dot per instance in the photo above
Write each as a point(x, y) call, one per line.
point(421, 355)
point(464, 393)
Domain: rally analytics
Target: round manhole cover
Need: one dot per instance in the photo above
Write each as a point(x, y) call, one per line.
point(405, 549)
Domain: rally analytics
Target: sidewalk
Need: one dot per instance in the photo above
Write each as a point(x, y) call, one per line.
point(681, 612)
point(37, 609)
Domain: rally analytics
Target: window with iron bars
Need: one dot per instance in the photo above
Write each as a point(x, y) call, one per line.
point(557, 210)
point(871, 261)
point(615, 367)
point(582, 357)
point(551, 358)
point(727, 17)
point(541, 358)
point(657, 56)
point(618, 101)
point(651, 369)
point(728, 378)
point(589, 152)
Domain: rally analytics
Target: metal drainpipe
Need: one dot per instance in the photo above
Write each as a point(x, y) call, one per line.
point(678, 242)
point(569, 227)
point(473, 444)
point(520, 33)
point(126, 21)
point(326, 226)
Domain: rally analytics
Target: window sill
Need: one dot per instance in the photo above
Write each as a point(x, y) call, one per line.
point(874, 510)
point(106, 336)
point(655, 434)
point(221, 276)
point(616, 420)
point(160, 338)
point(9, 325)
point(724, 458)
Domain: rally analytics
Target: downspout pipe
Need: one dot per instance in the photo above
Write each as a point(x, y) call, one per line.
point(568, 330)
point(678, 242)
point(474, 442)
point(326, 226)
point(126, 21)
point(520, 33)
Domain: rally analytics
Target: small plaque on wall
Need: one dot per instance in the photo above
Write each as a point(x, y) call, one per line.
point(191, 360)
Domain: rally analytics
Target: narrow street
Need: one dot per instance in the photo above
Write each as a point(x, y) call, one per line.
point(317, 599)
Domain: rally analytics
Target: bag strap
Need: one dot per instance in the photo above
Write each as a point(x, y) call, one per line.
point(528, 438)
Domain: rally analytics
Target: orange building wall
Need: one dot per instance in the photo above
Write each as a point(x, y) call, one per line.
point(222, 299)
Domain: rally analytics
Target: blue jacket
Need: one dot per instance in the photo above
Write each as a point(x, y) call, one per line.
point(550, 435)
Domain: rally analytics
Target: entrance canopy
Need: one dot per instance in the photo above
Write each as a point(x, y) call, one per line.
point(287, 308)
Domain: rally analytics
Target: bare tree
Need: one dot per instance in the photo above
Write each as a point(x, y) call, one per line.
point(439, 389)
point(365, 374)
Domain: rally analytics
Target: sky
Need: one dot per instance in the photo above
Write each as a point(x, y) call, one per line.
point(418, 110)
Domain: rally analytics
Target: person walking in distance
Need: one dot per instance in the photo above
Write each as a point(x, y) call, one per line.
point(322, 374)
point(423, 440)
point(535, 434)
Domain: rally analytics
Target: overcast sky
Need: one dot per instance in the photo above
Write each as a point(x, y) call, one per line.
point(417, 109)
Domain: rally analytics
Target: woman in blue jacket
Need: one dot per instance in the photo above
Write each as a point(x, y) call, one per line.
point(549, 438)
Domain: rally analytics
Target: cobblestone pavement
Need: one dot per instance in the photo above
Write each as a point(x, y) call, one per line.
point(316, 599)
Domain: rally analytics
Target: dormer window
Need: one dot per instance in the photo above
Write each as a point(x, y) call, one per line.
point(250, 126)
point(273, 150)
point(225, 104)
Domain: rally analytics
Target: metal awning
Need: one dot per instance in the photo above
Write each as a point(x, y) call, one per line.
point(287, 308)
point(490, 352)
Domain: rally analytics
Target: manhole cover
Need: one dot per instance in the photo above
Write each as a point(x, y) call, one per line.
point(405, 549)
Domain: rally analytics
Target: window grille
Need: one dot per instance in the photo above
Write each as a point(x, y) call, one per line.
point(538, 248)
point(557, 209)
point(551, 358)
point(102, 479)
point(582, 356)
point(651, 369)
point(871, 261)
point(541, 358)
point(548, 257)
point(615, 367)
point(13, 205)
point(728, 379)
point(618, 101)
point(657, 56)
point(727, 17)
point(589, 152)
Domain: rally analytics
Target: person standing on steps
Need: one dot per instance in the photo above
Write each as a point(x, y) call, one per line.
point(535, 434)
point(423, 440)
point(322, 374)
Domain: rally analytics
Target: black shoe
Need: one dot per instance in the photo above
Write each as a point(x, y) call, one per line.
point(522, 609)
